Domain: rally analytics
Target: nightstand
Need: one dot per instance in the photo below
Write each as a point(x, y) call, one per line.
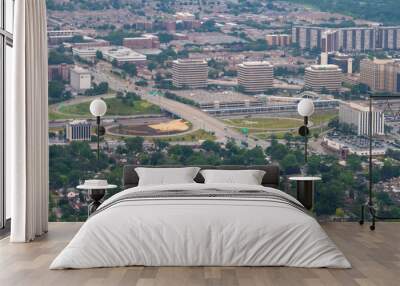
point(96, 191)
point(305, 190)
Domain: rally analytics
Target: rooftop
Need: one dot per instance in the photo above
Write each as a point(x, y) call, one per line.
point(324, 67)
point(121, 53)
point(80, 70)
point(256, 63)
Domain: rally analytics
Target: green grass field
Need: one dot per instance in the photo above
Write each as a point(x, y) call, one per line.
point(191, 137)
point(275, 124)
point(115, 107)
point(263, 128)
point(321, 118)
point(264, 123)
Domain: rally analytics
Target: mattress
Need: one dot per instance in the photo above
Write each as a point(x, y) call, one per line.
point(201, 225)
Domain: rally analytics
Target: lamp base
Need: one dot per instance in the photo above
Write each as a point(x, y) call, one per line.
point(372, 211)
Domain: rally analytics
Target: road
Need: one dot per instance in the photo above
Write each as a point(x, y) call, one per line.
point(198, 118)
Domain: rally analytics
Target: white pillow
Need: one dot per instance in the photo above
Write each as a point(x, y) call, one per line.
point(166, 176)
point(248, 177)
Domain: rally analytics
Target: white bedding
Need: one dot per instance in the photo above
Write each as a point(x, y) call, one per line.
point(191, 231)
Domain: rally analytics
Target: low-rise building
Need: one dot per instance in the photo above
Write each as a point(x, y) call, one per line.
point(345, 145)
point(61, 72)
point(86, 53)
point(123, 55)
point(320, 77)
point(81, 79)
point(145, 42)
point(79, 130)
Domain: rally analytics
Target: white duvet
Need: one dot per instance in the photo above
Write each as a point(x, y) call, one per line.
point(200, 231)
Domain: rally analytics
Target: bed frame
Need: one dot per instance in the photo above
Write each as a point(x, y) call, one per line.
point(130, 178)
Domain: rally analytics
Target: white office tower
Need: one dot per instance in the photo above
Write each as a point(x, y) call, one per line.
point(350, 66)
point(357, 116)
point(255, 76)
point(189, 73)
point(324, 58)
point(80, 79)
point(320, 77)
point(79, 130)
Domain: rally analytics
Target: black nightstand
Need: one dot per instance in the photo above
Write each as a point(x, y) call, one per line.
point(96, 191)
point(305, 190)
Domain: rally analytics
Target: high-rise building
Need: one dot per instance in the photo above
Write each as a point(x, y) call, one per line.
point(281, 40)
point(343, 61)
point(320, 77)
point(357, 117)
point(79, 130)
point(381, 74)
point(307, 37)
point(347, 39)
point(189, 73)
point(81, 79)
point(329, 41)
point(255, 76)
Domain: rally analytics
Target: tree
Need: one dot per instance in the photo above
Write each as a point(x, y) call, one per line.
point(151, 66)
point(130, 69)
point(161, 144)
point(56, 89)
point(134, 144)
point(99, 55)
point(354, 162)
point(288, 137)
point(210, 146)
point(56, 58)
point(165, 37)
point(290, 165)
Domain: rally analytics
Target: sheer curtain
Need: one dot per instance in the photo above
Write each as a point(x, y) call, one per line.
point(27, 124)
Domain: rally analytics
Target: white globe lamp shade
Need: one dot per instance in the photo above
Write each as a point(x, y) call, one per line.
point(305, 107)
point(98, 107)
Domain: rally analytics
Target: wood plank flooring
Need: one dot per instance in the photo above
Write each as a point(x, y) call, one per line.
point(375, 257)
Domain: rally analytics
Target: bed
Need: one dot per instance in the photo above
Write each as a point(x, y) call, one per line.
point(198, 224)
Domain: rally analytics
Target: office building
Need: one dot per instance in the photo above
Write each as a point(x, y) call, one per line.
point(320, 77)
point(144, 42)
point(80, 79)
point(381, 74)
point(255, 76)
point(123, 55)
point(357, 116)
point(93, 43)
point(281, 40)
point(59, 72)
point(78, 130)
point(343, 61)
point(189, 73)
point(87, 53)
point(324, 59)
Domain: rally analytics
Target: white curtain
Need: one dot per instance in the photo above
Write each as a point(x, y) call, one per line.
point(27, 124)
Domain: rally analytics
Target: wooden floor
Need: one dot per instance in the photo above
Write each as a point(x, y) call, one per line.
point(375, 257)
